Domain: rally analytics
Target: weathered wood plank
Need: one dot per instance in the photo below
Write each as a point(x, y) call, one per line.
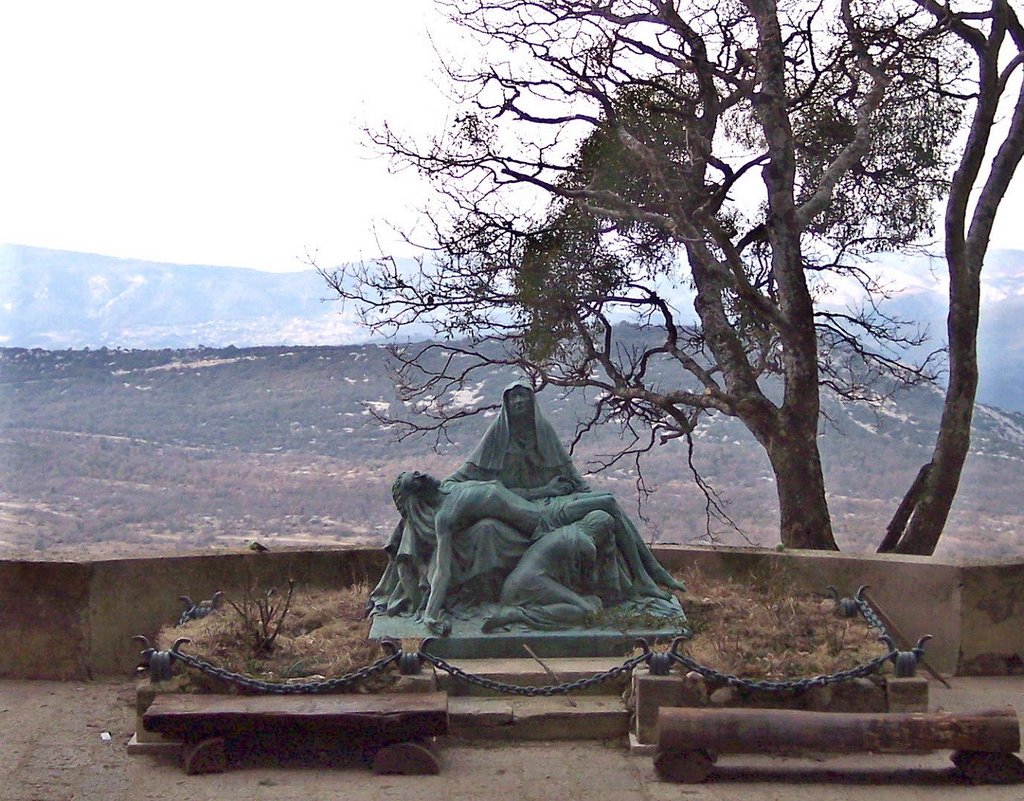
point(773, 730)
point(389, 717)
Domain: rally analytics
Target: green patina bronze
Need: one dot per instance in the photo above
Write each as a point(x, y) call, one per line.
point(516, 541)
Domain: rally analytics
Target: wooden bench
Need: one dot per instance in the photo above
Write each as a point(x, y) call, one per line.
point(689, 740)
point(393, 731)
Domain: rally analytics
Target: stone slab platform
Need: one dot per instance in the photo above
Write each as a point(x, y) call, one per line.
point(513, 719)
point(467, 641)
point(528, 673)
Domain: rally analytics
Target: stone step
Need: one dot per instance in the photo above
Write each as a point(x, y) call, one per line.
point(528, 673)
point(586, 718)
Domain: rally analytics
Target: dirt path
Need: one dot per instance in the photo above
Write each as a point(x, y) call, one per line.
point(52, 748)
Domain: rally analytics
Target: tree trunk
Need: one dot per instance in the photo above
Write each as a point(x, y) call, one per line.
point(791, 435)
point(803, 511)
point(898, 524)
point(754, 731)
point(966, 245)
point(954, 437)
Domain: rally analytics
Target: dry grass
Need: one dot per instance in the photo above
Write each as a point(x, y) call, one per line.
point(756, 626)
point(759, 627)
point(324, 634)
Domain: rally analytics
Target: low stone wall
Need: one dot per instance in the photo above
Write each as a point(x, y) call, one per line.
point(992, 615)
point(61, 620)
point(74, 620)
point(44, 620)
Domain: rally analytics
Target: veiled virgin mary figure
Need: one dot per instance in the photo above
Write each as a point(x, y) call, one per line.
point(521, 450)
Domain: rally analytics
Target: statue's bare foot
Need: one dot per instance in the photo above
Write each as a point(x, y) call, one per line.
point(673, 584)
point(649, 589)
point(497, 620)
point(438, 627)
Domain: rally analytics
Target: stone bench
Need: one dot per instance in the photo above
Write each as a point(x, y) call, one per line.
point(984, 743)
point(392, 731)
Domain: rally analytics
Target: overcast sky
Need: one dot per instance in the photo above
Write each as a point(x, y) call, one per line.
point(221, 132)
point(208, 132)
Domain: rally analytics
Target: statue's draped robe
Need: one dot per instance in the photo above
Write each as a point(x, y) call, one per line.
point(528, 460)
point(560, 565)
point(483, 555)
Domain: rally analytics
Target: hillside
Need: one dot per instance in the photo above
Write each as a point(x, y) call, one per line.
point(59, 299)
point(120, 451)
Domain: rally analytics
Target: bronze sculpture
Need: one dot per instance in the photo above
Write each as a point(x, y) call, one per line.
point(468, 546)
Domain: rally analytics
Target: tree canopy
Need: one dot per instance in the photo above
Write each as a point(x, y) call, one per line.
point(615, 159)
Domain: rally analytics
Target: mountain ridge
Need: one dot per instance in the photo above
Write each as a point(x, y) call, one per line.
point(55, 299)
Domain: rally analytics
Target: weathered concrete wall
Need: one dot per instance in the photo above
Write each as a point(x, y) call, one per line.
point(993, 616)
point(63, 620)
point(139, 596)
point(43, 612)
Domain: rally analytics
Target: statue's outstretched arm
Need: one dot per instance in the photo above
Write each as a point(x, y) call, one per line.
point(433, 616)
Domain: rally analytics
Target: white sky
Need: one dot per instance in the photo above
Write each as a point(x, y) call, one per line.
point(208, 132)
point(221, 132)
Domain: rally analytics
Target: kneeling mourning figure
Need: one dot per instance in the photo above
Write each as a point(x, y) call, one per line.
point(516, 540)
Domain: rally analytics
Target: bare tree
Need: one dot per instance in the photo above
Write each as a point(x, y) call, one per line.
point(993, 37)
point(615, 154)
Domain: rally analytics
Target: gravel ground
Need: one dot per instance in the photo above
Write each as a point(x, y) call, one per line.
point(54, 747)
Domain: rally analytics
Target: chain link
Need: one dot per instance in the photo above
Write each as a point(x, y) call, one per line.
point(788, 685)
point(545, 691)
point(293, 688)
point(868, 613)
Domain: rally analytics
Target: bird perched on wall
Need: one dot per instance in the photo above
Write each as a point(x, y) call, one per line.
point(195, 611)
point(256, 545)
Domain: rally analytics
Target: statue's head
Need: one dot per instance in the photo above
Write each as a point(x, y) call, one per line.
point(519, 400)
point(413, 484)
point(599, 526)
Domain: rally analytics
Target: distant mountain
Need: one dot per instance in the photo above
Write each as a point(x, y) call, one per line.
point(59, 299)
point(922, 287)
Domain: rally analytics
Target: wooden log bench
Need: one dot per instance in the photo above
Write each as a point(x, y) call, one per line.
point(689, 740)
point(392, 731)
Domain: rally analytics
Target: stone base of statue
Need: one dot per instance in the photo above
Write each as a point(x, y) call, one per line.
point(468, 641)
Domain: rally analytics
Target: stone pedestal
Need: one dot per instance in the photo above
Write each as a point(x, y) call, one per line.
point(425, 682)
point(651, 692)
point(906, 695)
point(467, 641)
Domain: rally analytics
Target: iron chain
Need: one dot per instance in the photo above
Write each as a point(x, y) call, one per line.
point(545, 691)
point(788, 685)
point(294, 688)
point(869, 614)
